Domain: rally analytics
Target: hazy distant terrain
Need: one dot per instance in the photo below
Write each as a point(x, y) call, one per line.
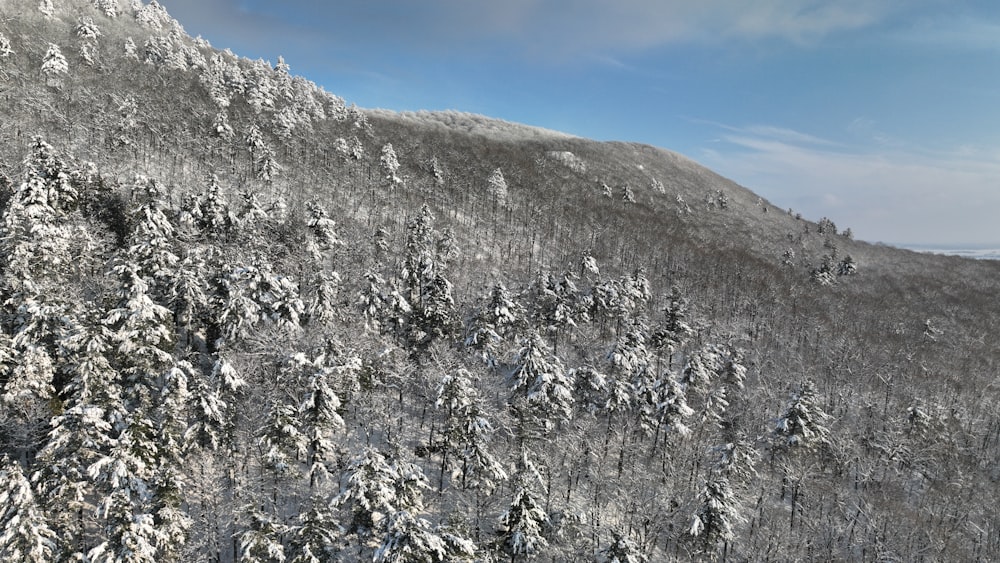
point(244, 320)
point(984, 253)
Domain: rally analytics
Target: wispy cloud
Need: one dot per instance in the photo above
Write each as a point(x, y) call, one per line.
point(964, 33)
point(894, 195)
point(551, 28)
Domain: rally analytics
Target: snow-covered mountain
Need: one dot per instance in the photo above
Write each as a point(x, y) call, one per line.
point(243, 319)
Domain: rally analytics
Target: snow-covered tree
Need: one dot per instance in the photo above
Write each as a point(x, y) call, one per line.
point(314, 539)
point(426, 289)
point(621, 549)
point(140, 328)
point(522, 527)
point(261, 541)
point(674, 330)
point(671, 408)
point(267, 167)
point(54, 63)
point(389, 165)
point(25, 535)
point(464, 440)
point(125, 477)
point(108, 7)
point(409, 538)
point(281, 439)
point(318, 413)
point(131, 49)
point(375, 489)
point(496, 187)
point(29, 386)
point(152, 248)
point(87, 29)
point(539, 383)
point(493, 323)
point(717, 513)
point(5, 49)
point(46, 7)
point(803, 422)
point(322, 227)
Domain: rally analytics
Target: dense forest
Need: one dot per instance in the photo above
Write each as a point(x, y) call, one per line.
point(244, 320)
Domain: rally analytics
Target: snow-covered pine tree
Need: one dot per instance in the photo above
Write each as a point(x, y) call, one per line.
point(316, 536)
point(260, 542)
point(322, 227)
point(46, 8)
point(540, 389)
point(496, 187)
point(54, 65)
point(496, 321)
point(426, 290)
point(375, 489)
point(621, 549)
point(318, 413)
point(522, 527)
point(108, 7)
point(717, 513)
point(125, 484)
point(464, 441)
point(83, 433)
point(25, 535)
point(803, 424)
point(5, 49)
point(674, 330)
point(411, 538)
point(281, 440)
point(87, 29)
point(153, 238)
point(389, 166)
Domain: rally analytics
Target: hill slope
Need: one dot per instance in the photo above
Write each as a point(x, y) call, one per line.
point(243, 320)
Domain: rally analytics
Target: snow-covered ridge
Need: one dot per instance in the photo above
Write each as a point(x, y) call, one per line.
point(472, 123)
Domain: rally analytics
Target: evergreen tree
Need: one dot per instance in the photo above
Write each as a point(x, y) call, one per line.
point(320, 419)
point(315, 538)
point(125, 476)
point(409, 538)
point(674, 330)
point(500, 318)
point(5, 50)
point(86, 431)
point(54, 64)
point(427, 291)
point(621, 549)
point(87, 29)
point(108, 7)
point(261, 541)
point(281, 439)
point(46, 8)
point(718, 512)
point(389, 166)
point(25, 535)
point(465, 438)
point(375, 489)
point(538, 381)
point(521, 528)
point(496, 187)
point(803, 423)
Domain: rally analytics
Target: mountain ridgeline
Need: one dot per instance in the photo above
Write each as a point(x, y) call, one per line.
point(243, 320)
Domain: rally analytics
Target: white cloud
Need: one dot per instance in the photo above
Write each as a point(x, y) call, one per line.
point(548, 28)
point(961, 33)
point(916, 196)
point(561, 28)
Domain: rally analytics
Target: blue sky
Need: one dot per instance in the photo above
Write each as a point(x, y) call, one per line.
point(883, 115)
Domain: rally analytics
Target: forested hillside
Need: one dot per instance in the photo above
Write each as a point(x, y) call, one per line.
point(244, 320)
